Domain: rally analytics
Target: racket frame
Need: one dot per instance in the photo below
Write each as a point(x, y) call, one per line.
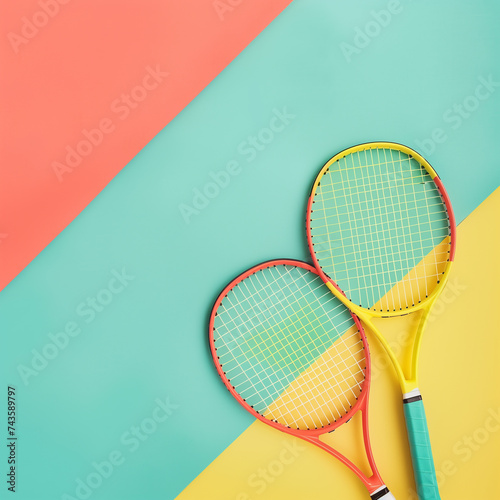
point(374, 482)
point(408, 381)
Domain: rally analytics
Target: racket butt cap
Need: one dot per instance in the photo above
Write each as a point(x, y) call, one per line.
point(382, 493)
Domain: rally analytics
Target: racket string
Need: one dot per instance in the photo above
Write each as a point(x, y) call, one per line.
point(333, 403)
point(273, 354)
point(316, 409)
point(277, 362)
point(371, 237)
point(304, 328)
point(327, 228)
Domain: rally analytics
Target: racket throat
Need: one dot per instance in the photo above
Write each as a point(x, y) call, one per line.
point(339, 444)
point(400, 338)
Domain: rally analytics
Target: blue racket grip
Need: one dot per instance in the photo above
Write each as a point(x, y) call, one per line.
point(420, 446)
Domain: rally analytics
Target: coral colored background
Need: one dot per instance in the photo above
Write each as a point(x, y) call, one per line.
point(64, 79)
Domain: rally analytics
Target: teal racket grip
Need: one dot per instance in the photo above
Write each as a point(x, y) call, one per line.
point(420, 446)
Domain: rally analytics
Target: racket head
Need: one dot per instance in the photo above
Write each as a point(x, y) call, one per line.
point(247, 329)
point(381, 229)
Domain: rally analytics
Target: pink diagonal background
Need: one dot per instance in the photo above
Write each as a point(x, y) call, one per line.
point(124, 69)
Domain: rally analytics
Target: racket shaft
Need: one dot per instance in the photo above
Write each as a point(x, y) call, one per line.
point(420, 447)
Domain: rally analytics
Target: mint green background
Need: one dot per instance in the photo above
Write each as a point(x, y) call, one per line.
point(151, 340)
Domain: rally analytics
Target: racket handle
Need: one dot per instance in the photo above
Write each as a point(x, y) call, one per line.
point(382, 493)
point(420, 446)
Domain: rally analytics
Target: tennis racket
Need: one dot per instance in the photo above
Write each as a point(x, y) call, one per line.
point(381, 232)
point(294, 356)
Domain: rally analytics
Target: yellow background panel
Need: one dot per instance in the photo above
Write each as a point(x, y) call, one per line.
point(459, 380)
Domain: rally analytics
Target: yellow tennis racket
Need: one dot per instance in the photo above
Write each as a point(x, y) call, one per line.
point(381, 232)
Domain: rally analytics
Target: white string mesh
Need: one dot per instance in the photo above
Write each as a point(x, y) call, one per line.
point(380, 228)
point(289, 347)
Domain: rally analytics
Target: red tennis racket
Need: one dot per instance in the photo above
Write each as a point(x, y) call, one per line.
point(294, 356)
